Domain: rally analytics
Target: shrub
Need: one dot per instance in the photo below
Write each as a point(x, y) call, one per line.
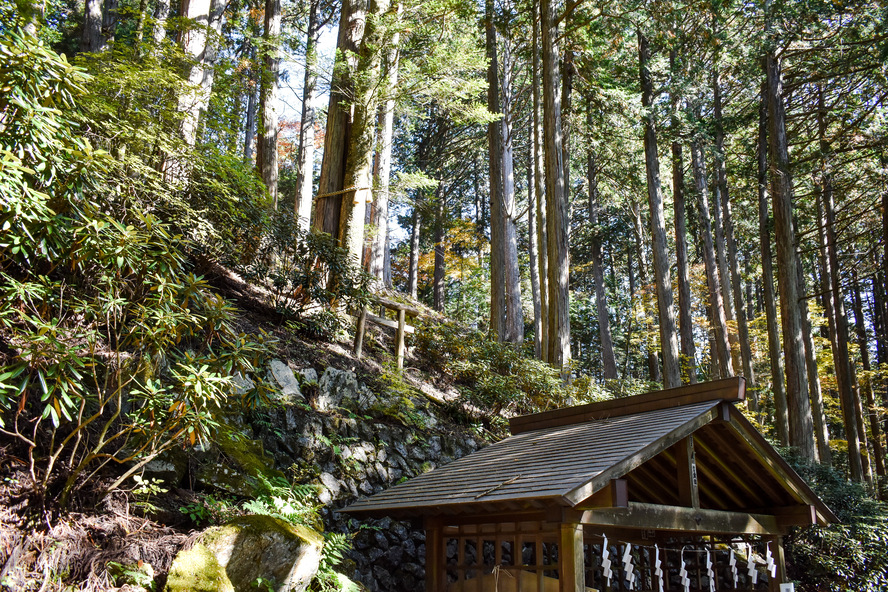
point(495, 377)
point(111, 350)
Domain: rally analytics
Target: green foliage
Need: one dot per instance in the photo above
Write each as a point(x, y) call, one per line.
point(850, 555)
point(335, 547)
point(287, 501)
point(209, 509)
point(494, 377)
point(113, 350)
point(303, 269)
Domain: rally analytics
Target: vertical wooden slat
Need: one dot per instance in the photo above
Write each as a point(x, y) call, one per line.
point(570, 558)
point(688, 494)
point(402, 320)
point(780, 560)
point(435, 556)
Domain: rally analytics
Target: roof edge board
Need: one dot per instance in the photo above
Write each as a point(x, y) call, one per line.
point(728, 389)
point(780, 468)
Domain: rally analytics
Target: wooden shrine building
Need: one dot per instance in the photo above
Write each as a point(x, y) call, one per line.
point(679, 482)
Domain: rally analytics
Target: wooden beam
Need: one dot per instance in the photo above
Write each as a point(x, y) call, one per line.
point(780, 559)
point(728, 389)
point(737, 480)
point(394, 305)
point(621, 468)
point(389, 323)
point(676, 518)
point(614, 495)
point(686, 468)
point(571, 565)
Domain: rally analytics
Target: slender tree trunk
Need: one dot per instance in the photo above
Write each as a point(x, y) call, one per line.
point(719, 324)
point(533, 248)
point(514, 321)
point(653, 361)
point(383, 165)
point(867, 385)
point(495, 157)
point(685, 321)
point(821, 430)
point(438, 280)
point(736, 281)
point(778, 386)
point(608, 360)
point(413, 270)
point(337, 138)
point(556, 199)
point(567, 75)
point(801, 423)
point(250, 124)
point(539, 183)
point(724, 279)
point(305, 153)
point(668, 336)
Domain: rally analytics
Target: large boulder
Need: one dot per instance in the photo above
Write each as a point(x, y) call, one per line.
point(247, 551)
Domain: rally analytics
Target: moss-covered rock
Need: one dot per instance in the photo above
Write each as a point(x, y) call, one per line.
point(248, 550)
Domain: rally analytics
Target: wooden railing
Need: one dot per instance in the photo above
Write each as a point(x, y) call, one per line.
point(401, 327)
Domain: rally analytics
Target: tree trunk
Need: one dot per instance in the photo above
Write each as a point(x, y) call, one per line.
point(821, 430)
point(653, 361)
point(778, 386)
point(668, 337)
point(567, 75)
point(513, 328)
point(533, 248)
point(556, 199)
point(266, 147)
point(383, 165)
point(92, 40)
point(413, 270)
point(801, 423)
point(438, 280)
point(359, 159)
point(736, 281)
point(539, 183)
point(194, 39)
point(337, 137)
point(724, 279)
point(250, 123)
point(305, 152)
point(685, 320)
point(608, 360)
point(161, 13)
point(716, 305)
point(867, 385)
point(495, 157)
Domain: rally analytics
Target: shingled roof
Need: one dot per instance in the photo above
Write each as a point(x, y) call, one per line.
point(565, 457)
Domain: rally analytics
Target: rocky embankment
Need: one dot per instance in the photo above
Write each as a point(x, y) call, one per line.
point(328, 429)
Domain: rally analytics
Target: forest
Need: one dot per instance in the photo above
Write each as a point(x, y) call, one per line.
point(588, 201)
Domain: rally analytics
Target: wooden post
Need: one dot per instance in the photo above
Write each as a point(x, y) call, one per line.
point(434, 555)
point(402, 320)
point(359, 332)
point(780, 560)
point(688, 493)
point(571, 568)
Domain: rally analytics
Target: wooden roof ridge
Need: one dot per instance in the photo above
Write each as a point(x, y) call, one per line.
point(726, 389)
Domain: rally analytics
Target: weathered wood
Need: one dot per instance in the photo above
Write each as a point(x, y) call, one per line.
point(389, 323)
point(780, 559)
point(779, 468)
point(402, 315)
point(434, 559)
point(686, 469)
point(677, 518)
point(729, 389)
point(614, 495)
point(619, 469)
point(570, 558)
